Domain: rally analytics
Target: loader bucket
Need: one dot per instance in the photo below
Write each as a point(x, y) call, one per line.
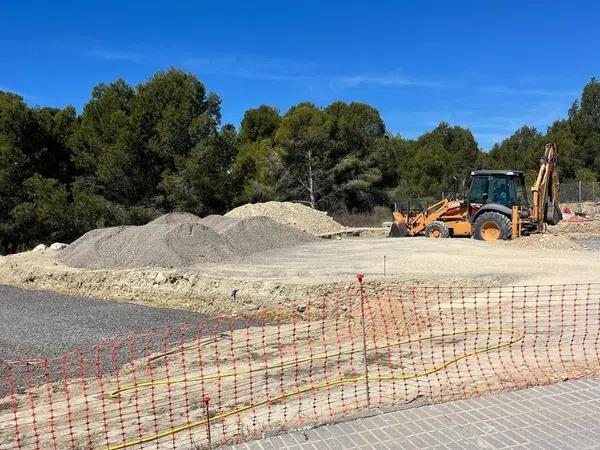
point(398, 230)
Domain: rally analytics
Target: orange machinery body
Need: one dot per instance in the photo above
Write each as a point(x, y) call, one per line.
point(452, 213)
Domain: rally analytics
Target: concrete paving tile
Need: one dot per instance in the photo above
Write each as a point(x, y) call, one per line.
point(546, 417)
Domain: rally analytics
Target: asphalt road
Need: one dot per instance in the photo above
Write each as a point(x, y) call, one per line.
point(38, 324)
point(592, 244)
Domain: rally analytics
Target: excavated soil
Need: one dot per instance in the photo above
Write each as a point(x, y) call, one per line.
point(293, 214)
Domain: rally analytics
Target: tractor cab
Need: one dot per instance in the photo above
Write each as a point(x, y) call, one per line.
point(495, 190)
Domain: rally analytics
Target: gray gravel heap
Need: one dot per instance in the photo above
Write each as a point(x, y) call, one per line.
point(177, 217)
point(178, 241)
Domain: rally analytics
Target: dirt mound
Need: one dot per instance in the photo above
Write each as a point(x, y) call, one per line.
point(177, 217)
point(575, 230)
point(255, 234)
point(293, 214)
point(545, 241)
point(151, 245)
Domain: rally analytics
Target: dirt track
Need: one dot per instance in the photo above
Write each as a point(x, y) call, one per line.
point(282, 275)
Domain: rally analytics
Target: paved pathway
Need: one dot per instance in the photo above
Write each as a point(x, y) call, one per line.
point(560, 416)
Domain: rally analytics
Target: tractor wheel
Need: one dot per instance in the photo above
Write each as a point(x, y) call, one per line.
point(437, 230)
point(398, 230)
point(492, 226)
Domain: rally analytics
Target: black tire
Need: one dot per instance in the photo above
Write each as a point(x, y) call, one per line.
point(492, 226)
point(437, 230)
point(398, 230)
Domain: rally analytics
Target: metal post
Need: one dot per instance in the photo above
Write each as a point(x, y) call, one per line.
point(360, 277)
point(579, 196)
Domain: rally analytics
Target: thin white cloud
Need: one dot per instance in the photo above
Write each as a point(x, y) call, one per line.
point(530, 91)
point(381, 80)
point(117, 55)
point(253, 67)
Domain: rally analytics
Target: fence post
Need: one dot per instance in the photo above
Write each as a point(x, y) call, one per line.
point(579, 195)
point(206, 400)
point(360, 277)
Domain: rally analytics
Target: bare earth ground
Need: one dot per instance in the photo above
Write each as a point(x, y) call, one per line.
point(551, 348)
point(434, 348)
point(306, 271)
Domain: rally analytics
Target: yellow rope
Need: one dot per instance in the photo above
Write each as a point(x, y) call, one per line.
point(516, 337)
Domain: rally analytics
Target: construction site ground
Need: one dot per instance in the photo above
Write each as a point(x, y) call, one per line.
point(288, 276)
point(280, 276)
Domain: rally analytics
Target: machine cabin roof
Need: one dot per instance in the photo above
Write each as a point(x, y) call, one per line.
point(496, 172)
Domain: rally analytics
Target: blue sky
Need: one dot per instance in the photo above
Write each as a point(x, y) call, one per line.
point(492, 66)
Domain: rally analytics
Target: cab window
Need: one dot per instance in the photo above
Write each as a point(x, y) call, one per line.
point(479, 190)
point(501, 191)
point(521, 192)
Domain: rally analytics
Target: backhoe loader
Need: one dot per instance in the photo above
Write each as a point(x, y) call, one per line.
point(495, 206)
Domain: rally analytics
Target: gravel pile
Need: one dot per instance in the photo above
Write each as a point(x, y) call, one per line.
point(218, 223)
point(151, 245)
point(180, 240)
point(255, 234)
point(545, 241)
point(177, 217)
point(292, 214)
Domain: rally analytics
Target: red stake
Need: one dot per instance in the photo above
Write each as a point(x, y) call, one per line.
point(206, 399)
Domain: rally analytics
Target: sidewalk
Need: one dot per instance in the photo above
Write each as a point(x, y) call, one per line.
point(560, 416)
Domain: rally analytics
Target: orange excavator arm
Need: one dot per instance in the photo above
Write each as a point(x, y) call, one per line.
point(545, 191)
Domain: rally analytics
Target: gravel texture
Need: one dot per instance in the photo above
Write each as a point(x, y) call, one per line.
point(151, 245)
point(256, 234)
point(293, 214)
point(38, 325)
point(43, 324)
point(177, 217)
point(167, 243)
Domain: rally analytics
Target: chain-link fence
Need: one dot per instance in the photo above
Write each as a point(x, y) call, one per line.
point(579, 191)
point(570, 192)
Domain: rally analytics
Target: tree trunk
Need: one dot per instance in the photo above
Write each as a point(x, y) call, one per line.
point(311, 190)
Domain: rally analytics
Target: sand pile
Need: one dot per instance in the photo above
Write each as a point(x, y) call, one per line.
point(179, 240)
point(293, 214)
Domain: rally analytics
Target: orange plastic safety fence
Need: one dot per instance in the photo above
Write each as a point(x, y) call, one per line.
point(231, 379)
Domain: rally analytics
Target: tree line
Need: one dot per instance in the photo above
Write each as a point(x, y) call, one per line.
point(136, 152)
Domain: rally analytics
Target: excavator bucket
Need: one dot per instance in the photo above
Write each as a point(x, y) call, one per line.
point(399, 227)
point(398, 230)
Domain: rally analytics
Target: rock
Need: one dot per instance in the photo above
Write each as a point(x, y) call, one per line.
point(160, 278)
point(39, 248)
point(57, 246)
